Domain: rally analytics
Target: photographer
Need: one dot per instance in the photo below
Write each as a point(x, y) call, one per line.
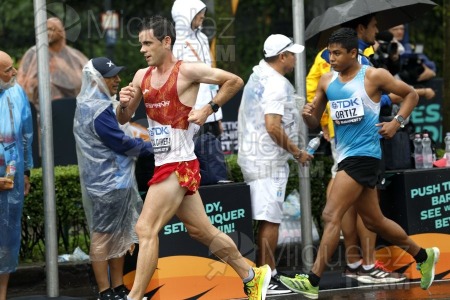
point(416, 67)
point(387, 54)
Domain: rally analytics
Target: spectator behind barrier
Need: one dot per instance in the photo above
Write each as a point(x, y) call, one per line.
point(106, 158)
point(416, 67)
point(65, 65)
point(192, 45)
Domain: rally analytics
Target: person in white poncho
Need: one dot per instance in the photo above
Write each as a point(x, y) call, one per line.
point(192, 45)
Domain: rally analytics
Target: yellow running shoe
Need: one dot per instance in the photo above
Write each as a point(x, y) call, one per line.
point(256, 288)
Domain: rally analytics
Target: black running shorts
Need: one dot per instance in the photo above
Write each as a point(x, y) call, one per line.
point(363, 169)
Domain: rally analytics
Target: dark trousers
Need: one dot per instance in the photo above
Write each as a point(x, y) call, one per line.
point(211, 127)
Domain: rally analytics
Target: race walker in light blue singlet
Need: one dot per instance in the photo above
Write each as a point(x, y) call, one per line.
point(354, 115)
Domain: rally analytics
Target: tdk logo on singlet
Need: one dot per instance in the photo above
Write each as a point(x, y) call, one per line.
point(345, 103)
point(155, 131)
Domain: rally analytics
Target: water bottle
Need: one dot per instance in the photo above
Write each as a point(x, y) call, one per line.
point(11, 168)
point(447, 148)
point(418, 158)
point(314, 144)
point(427, 153)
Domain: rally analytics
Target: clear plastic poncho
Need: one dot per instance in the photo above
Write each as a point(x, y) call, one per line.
point(64, 69)
point(110, 195)
point(16, 137)
point(266, 92)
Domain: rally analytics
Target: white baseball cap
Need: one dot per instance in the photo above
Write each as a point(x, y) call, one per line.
point(278, 43)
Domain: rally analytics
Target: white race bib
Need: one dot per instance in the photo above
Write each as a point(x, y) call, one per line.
point(160, 138)
point(347, 111)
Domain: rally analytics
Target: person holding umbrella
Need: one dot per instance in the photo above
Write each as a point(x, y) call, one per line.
point(354, 92)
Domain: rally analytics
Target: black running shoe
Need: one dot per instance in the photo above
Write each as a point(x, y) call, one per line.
point(379, 274)
point(351, 272)
point(107, 294)
point(121, 292)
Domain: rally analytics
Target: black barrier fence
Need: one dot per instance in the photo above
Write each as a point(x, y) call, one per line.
point(418, 200)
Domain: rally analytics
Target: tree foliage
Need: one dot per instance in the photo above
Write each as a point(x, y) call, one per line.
point(239, 38)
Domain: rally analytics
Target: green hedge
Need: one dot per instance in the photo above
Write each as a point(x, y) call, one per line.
point(71, 224)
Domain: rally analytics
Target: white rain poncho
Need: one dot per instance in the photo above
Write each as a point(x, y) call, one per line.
point(266, 92)
point(110, 196)
point(16, 136)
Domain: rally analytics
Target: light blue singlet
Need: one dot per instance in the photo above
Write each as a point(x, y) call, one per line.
point(354, 116)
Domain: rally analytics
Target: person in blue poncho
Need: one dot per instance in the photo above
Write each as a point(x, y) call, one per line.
point(16, 136)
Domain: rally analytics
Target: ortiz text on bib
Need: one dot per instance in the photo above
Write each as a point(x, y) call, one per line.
point(347, 111)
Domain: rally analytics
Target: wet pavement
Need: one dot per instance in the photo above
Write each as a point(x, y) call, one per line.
point(76, 280)
point(336, 287)
point(410, 291)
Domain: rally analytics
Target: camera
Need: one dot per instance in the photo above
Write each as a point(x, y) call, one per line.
point(384, 55)
point(387, 48)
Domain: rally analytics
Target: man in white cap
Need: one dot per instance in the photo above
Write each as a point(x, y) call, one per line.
point(268, 136)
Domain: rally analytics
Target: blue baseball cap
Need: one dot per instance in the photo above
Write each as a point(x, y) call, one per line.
point(106, 67)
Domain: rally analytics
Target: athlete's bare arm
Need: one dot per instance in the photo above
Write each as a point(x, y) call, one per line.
point(312, 112)
point(192, 74)
point(130, 96)
point(378, 80)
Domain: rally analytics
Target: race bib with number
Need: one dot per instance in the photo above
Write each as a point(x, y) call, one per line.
point(160, 138)
point(347, 111)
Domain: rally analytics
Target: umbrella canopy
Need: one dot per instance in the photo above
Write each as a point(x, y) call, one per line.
point(389, 13)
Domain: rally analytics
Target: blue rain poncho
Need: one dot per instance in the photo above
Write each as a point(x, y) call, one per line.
point(16, 136)
point(110, 196)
